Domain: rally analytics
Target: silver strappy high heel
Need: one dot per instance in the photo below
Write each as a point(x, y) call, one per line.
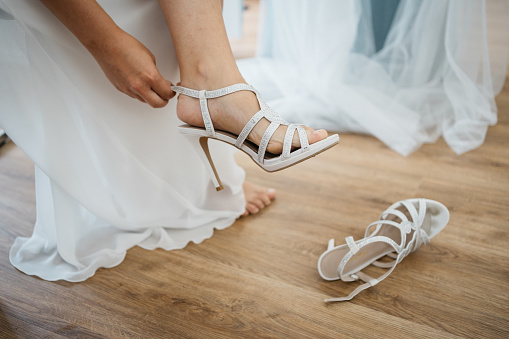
point(199, 136)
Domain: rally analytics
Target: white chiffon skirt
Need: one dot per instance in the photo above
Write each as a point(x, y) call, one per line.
point(111, 172)
point(436, 75)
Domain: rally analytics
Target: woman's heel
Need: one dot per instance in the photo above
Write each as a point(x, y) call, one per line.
point(201, 146)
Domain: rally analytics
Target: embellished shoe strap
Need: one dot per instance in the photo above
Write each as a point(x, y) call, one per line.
point(369, 282)
point(287, 144)
point(215, 93)
point(206, 115)
point(304, 143)
point(248, 128)
point(405, 225)
point(265, 140)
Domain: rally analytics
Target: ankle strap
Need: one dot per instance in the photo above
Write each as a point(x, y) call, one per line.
point(213, 94)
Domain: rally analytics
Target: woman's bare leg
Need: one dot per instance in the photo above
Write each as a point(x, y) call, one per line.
point(206, 62)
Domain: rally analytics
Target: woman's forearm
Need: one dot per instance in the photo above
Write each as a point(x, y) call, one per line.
point(125, 61)
point(86, 19)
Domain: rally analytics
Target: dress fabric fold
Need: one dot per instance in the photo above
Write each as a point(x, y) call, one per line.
point(431, 69)
point(111, 172)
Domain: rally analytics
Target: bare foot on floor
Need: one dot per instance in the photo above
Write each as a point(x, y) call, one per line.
point(257, 197)
point(231, 113)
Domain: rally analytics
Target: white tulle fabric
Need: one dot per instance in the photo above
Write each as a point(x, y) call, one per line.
point(436, 75)
point(111, 173)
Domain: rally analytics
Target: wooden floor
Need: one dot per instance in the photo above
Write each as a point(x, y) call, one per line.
point(258, 278)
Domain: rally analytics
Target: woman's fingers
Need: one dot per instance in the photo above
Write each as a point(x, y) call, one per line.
point(151, 97)
point(162, 87)
point(132, 95)
point(137, 97)
point(155, 90)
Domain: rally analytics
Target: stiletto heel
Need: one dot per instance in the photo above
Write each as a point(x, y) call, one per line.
point(267, 161)
point(201, 146)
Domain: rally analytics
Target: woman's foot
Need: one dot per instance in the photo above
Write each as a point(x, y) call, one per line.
point(231, 113)
point(206, 62)
point(257, 197)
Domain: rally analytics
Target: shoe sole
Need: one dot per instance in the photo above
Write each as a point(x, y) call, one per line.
point(251, 149)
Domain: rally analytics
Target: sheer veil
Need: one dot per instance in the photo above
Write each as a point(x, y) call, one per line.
point(404, 71)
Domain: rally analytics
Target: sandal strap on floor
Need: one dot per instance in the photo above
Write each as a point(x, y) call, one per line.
point(369, 282)
point(419, 238)
point(355, 247)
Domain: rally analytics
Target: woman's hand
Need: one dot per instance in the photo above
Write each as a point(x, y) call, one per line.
point(126, 62)
point(131, 68)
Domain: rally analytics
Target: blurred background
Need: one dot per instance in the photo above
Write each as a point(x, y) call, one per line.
point(406, 72)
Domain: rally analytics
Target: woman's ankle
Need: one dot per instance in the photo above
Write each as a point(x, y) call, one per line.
point(210, 76)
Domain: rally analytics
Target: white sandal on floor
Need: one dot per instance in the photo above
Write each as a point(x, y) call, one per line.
point(199, 136)
point(395, 236)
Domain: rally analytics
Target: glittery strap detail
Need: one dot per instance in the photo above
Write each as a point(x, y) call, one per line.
point(248, 128)
point(304, 143)
point(352, 245)
point(417, 217)
point(287, 144)
point(272, 115)
point(230, 89)
point(205, 114)
point(369, 283)
point(186, 91)
point(265, 140)
point(360, 245)
point(216, 93)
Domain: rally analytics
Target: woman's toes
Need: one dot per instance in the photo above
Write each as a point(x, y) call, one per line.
point(259, 203)
point(251, 208)
point(317, 136)
point(271, 193)
point(313, 136)
point(265, 199)
point(257, 197)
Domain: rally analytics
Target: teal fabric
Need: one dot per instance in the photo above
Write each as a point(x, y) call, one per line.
point(382, 14)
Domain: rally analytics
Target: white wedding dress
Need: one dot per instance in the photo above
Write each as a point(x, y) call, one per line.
point(111, 173)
